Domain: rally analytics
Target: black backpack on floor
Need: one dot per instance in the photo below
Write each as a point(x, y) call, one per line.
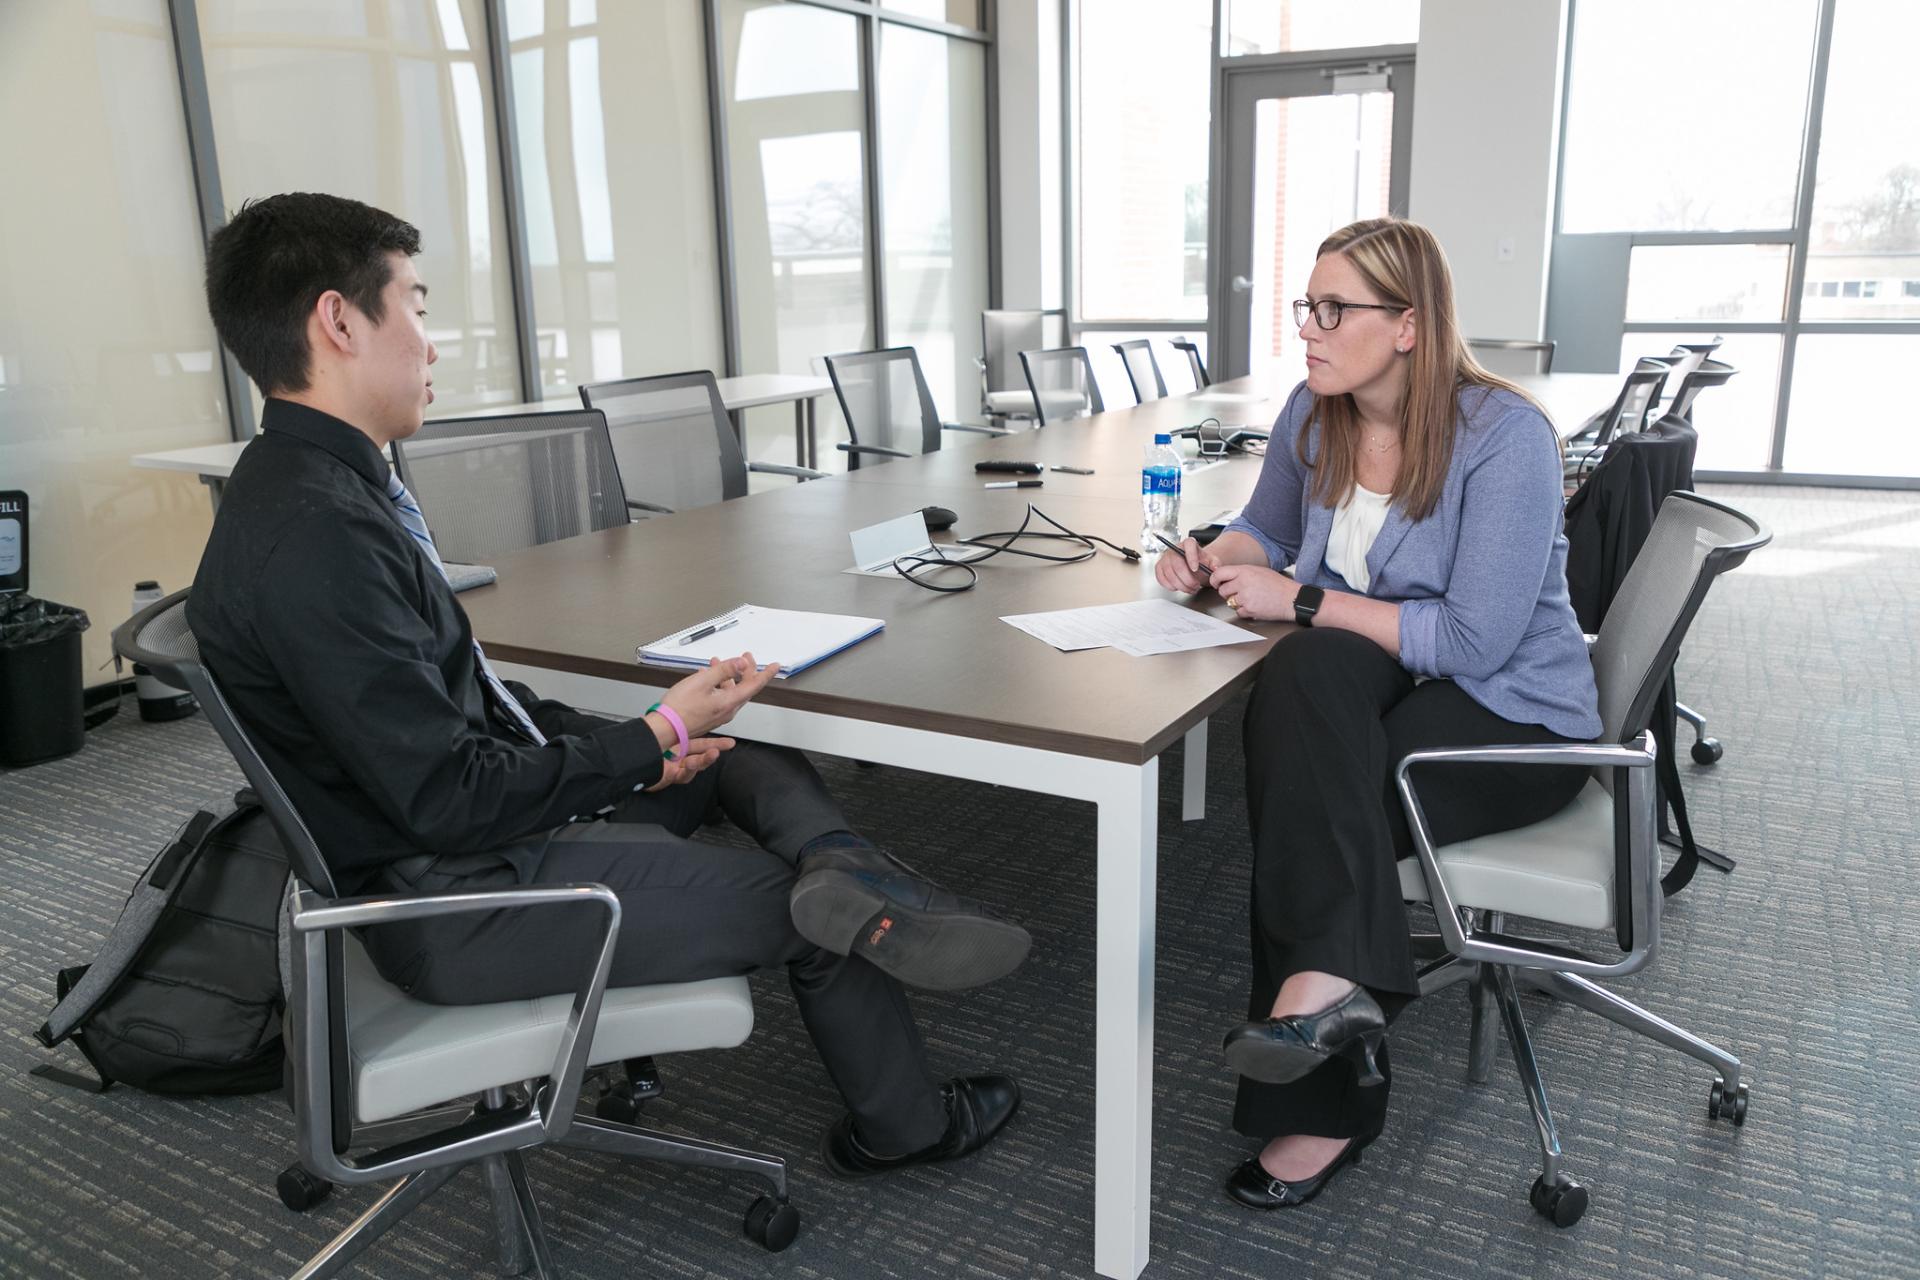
point(185, 996)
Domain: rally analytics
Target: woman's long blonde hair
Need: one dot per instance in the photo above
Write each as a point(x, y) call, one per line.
point(1403, 263)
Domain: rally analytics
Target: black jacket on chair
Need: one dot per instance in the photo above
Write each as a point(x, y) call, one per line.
point(1608, 519)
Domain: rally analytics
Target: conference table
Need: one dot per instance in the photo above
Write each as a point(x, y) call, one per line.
point(214, 463)
point(946, 687)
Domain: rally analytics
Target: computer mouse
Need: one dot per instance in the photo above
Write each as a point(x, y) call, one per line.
point(938, 518)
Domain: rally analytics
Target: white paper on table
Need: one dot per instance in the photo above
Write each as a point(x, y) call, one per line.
point(1138, 627)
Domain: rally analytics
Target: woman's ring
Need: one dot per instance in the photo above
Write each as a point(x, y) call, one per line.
point(1233, 602)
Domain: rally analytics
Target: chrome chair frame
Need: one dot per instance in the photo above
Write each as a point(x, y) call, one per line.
point(503, 1122)
point(1473, 946)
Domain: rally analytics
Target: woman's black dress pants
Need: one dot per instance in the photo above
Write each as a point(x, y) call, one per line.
point(1331, 715)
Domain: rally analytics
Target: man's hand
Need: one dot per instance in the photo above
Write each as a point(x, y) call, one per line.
point(1255, 592)
point(701, 753)
point(713, 695)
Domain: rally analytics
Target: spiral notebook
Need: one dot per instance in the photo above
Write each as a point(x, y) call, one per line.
point(794, 639)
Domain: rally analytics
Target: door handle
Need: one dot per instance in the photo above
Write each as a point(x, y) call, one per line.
point(1241, 284)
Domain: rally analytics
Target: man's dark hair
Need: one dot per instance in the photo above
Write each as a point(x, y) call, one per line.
point(270, 264)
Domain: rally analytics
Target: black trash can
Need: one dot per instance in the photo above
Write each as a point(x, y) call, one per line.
point(40, 690)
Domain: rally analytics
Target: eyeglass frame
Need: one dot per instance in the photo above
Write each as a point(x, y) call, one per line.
point(1340, 310)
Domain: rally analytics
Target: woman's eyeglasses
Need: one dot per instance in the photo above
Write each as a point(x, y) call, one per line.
point(1327, 312)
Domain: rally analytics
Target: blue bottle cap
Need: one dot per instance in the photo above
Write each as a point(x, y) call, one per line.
point(1162, 437)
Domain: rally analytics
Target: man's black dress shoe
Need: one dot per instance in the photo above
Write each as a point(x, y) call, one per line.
point(1254, 1187)
point(867, 903)
point(1283, 1049)
point(978, 1107)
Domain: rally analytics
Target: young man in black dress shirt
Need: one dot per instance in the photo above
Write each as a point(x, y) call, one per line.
point(321, 608)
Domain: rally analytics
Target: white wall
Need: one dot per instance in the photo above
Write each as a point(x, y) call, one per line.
point(1028, 40)
point(1486, 130)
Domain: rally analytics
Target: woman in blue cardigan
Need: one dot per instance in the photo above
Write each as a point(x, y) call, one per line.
point(1417, 499)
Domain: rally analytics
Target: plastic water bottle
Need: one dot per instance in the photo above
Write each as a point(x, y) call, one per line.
point(158, 699)
point(1160, 493)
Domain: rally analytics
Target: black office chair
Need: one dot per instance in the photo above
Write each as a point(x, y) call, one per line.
point(1192, 351)
point(1627, 413)
point(1143, 371)
point(492, 485)
point(1707, 749)
point(1061, 384)
point(889, 410)
point(1003, 336)
point(674, 441)
point(368, 1062)
point(1513, 355)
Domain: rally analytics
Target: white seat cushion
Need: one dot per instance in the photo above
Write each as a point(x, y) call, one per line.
point(1057, 402)
point(408, 1054)
point(1559, 870)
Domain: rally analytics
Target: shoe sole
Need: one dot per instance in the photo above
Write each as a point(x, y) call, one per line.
point(934, 951)
point(1272, 1063)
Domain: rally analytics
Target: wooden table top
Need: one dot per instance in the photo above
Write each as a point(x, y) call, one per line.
point(945, 662)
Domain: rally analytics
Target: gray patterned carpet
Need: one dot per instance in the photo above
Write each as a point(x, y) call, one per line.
point(1803, 962)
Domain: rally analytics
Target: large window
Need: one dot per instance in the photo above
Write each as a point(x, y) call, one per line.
point(105, 346)
point(1140, 171)
point(1811, 275)
point(610, 109)
point(390, 104)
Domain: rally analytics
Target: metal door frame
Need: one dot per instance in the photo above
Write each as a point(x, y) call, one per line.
point(1239, 83)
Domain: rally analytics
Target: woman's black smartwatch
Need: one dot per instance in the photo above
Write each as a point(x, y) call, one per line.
point(1306, 603)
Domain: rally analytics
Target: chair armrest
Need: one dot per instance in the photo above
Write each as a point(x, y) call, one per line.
point(1447, 915)
point(782, 469)
point(313, 917)
point(846, 446)
point(634, 504)
point(974, 426)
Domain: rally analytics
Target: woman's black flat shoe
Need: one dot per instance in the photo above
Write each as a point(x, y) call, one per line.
point(1254, 1187)
point(1280, 1050)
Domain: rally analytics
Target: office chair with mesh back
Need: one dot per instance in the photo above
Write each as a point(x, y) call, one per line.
point(1627, 413)
point(491, 485)
point(1707, 372)
point(1192, 351)
point(1595, 865)
point(674, 441)
point(1513, 355)
point(1061, 384)
point(1003, 336)
point(889, 410)
point(364, 1055)
point(1143, 371)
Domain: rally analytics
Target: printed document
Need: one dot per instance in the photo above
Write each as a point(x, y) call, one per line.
point(1138, 627)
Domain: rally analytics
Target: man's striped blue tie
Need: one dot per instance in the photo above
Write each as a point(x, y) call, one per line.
point(416, 524)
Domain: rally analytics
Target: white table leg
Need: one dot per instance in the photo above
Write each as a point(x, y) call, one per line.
point(1123, 1041)
point(1193, 778)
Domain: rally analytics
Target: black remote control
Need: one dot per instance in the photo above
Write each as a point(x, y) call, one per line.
point(1014, 468)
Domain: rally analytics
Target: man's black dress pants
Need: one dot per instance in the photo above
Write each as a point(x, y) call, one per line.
point(689, 911)
point(1331, 715)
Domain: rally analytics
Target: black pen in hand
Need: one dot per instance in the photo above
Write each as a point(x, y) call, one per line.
point(1204, 569)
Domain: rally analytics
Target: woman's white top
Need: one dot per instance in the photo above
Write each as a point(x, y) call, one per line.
point(1356, 523)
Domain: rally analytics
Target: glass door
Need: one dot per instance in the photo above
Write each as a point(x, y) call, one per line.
point(1306, 146)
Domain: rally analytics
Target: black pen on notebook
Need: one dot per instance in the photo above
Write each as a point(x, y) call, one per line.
point(706, 631)
point(1205, 570)
point(1013, 484)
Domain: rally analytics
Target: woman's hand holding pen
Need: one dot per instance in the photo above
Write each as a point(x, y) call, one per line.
point(1255, 592)
point(1185, 566)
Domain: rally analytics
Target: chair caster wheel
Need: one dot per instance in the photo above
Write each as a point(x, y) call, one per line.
point(617, 1107)
point(300, 1190)
point(1561, 1202)
point(772, 1224)
point(1725, 1105)
point(1708, 751)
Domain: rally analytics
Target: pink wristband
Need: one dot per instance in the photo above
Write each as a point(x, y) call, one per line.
point(672, 717)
